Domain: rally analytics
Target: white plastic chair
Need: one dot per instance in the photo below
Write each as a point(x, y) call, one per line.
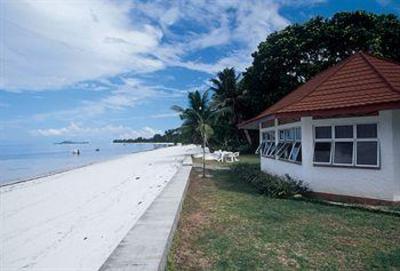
point(228, 157)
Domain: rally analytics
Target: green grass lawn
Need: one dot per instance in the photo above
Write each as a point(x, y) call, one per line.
point(226, 225)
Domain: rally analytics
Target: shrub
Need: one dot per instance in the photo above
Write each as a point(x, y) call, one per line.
point(267, 184)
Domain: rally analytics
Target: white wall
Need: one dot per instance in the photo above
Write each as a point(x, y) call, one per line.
point(380, 183)
point(396, 152)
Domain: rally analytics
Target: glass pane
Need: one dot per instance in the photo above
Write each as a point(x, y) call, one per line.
point(272, 136)
point(344, 131)
point(323, 132)
point(322, 152)
point(367, 153)
point(298, 133)
point(296, 151)
point(279, 147)
point(343, 153)
point(265, 149)
point(260, 147)
point(272, 150)
point(367, 131)
point(298, 158)
point(289, 134)
point(282, 135)
point(285, 151)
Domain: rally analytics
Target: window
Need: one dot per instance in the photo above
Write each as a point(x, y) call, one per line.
point(323, 145)
point(343, 145)
point(343, 153)
point(322, 152)
point(367, 145)
point(289, 146)
point(259, 148)
point(296, 152)
point(323, 132)
point(267, 147)
point(346, 145)
point(367, 153)
point(345, 131)
point(367, 131)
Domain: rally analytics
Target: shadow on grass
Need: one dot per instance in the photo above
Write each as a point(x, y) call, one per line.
point(226, 180)
point(386, 260)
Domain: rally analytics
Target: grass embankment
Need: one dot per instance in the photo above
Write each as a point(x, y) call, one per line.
point(227, 225)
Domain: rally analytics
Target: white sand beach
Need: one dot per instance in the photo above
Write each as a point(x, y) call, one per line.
point(74, 220)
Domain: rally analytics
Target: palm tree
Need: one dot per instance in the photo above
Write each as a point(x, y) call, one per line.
point(197, 119)
point(228, 100)
point(227, 97)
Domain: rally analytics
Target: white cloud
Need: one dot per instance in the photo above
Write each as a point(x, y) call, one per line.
point(238, 24)
point(117, 131)
point(239, 60)
point(164, 115)
point(53, 43)
point(127, 94)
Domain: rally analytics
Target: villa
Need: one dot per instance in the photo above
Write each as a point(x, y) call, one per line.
point(339, 132)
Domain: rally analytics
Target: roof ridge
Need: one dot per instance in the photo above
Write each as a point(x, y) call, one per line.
point(364, 56)
point(392, 61)
point(338, 65)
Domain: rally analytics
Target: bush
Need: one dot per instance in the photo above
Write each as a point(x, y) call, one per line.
point(269, 185)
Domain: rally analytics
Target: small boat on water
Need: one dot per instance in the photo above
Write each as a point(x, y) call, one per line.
point(76, 152)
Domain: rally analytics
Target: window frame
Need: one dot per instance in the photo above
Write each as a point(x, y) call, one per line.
point(354, 140)
point(330, 152)
point(378, 148)
point(344, 140)
point(323, 140)
point(287, 140)
point(268, 142)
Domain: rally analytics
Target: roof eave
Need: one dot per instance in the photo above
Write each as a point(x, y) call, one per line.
point(253, 124)
point(353, 110)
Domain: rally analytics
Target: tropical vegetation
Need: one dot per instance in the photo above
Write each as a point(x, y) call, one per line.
point(267, 184)
point(197, 120)
point(284, 61)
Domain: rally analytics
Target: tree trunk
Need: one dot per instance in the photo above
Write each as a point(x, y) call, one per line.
point(204, 156)
point(246, 132)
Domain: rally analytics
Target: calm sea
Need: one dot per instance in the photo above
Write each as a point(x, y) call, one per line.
point(23, 161)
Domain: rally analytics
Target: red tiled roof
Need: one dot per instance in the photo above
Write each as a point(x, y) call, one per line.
point(359, 84)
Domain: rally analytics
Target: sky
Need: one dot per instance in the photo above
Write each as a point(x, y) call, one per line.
point(103, 69)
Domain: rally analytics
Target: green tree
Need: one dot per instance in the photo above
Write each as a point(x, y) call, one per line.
point(288, 58)
point(227, 97)
point(227, 101)
point(197, 120)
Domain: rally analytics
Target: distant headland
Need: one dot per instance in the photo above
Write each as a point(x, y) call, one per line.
point(171, 136)
point(71, 142)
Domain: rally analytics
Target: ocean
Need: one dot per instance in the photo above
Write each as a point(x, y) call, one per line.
point(20, 162)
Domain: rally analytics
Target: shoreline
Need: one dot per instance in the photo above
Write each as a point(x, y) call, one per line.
point(76, 219)
point(55, 172)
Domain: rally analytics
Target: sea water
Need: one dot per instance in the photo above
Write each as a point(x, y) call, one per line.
point(26, 161)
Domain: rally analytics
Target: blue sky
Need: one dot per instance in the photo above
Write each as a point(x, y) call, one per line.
point(103, 69)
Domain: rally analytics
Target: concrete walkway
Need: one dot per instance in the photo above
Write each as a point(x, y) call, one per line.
point(146, 245)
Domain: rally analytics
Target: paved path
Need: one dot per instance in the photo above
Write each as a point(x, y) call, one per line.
point(146, 245)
